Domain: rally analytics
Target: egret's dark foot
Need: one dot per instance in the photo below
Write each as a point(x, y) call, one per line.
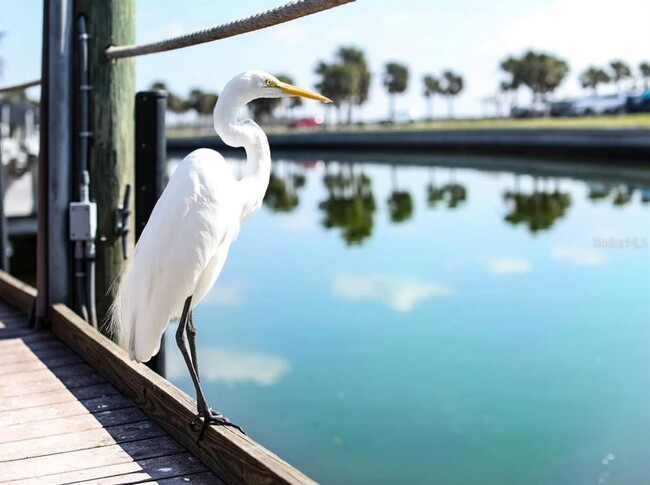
point(211, 417)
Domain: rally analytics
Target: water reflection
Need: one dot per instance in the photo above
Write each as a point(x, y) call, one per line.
point(350, 203)
point(231, 367)
point(479, 329)
point(400, 202)
point(282, 193)
point(401, 293)
point(537, 211)
point(453, 193)
point(623, 195)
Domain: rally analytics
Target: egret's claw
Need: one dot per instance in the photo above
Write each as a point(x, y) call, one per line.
point(211, 417)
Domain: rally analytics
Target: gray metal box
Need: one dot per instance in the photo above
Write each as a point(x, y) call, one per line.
point(83, 221)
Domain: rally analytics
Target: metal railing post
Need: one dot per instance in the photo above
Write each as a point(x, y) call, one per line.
point(53, 253)
point(150, 170)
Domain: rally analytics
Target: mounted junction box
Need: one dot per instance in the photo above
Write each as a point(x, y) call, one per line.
point(83, 221)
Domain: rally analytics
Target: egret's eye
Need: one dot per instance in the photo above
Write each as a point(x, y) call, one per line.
point(270, 82)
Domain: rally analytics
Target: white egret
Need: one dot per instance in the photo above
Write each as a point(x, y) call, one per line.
point(185, 243)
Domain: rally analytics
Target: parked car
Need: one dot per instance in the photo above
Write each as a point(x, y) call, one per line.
point(307, 122)
point(535, 110)
point(639, 103)
point(561, 108)
point(598, 105)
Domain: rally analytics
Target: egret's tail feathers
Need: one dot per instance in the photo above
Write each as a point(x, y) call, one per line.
point(120, 319)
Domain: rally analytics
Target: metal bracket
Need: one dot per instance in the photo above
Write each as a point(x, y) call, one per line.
point(122, 227)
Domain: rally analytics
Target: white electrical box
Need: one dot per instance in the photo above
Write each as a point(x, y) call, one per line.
point(83, 221)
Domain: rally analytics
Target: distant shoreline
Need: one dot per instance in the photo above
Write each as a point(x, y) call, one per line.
point(598, 144)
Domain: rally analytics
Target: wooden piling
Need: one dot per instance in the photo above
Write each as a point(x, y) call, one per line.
point(110, 22)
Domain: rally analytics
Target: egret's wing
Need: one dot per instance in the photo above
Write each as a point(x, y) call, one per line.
point(191, 225)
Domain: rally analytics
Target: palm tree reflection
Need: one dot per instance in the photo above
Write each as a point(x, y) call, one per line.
point(400, 202)
point(350, 204)
point(282, 192)
point(539, 210)
point(599, 191)
point(623, 195)
point(453, 193)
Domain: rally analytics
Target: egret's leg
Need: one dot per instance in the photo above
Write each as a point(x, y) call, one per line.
point(191, 336)
point(209, 416)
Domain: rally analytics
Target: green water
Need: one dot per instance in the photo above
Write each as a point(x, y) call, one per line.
point(434, 325)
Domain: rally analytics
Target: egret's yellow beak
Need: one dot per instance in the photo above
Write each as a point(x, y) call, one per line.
point(303, 93)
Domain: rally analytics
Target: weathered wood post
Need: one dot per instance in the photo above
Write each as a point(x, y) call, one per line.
point(110, 22)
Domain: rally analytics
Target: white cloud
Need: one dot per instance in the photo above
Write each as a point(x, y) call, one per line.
point(508, 265)
point(582, 256)
point(231, 367)
point(231, 294)
point(398, 292)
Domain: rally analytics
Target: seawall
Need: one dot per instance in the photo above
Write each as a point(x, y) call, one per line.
point(631, 144)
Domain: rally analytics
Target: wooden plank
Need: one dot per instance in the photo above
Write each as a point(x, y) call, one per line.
point(54, 397)
point(81, 440)
point(93, 457)
point(65, 374)
point(232, 456)
point(21, 352)
point(31, 338)
point(14, 319)
point(20, 295)
point(71, 424)
point(47, 383)
point(184, 465)
point(36, 364)
point(63, 410)
point(204, 478)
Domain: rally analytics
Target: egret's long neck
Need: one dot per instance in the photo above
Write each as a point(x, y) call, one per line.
point(245, 133)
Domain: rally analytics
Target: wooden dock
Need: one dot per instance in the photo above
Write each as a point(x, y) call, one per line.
point(74, 409)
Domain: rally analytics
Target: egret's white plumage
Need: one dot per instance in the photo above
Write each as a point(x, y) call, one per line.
point(186, 241)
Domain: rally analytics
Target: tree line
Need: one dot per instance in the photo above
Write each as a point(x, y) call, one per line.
point(347, 78)
point(543, 73)
point(346, 81)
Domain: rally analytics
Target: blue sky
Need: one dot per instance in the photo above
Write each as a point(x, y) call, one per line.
point(469, 36)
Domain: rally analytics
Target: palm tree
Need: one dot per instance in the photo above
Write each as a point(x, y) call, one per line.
point(644, 69)
point(356, 60)
point(620, 71)
point(513, 67)
point(431, 88)
point(592, 77)
point(337, 83)
point(452, 85)
point(396, 80)
point(542, 73)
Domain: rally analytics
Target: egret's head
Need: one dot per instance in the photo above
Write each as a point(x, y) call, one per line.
point(258, 84)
